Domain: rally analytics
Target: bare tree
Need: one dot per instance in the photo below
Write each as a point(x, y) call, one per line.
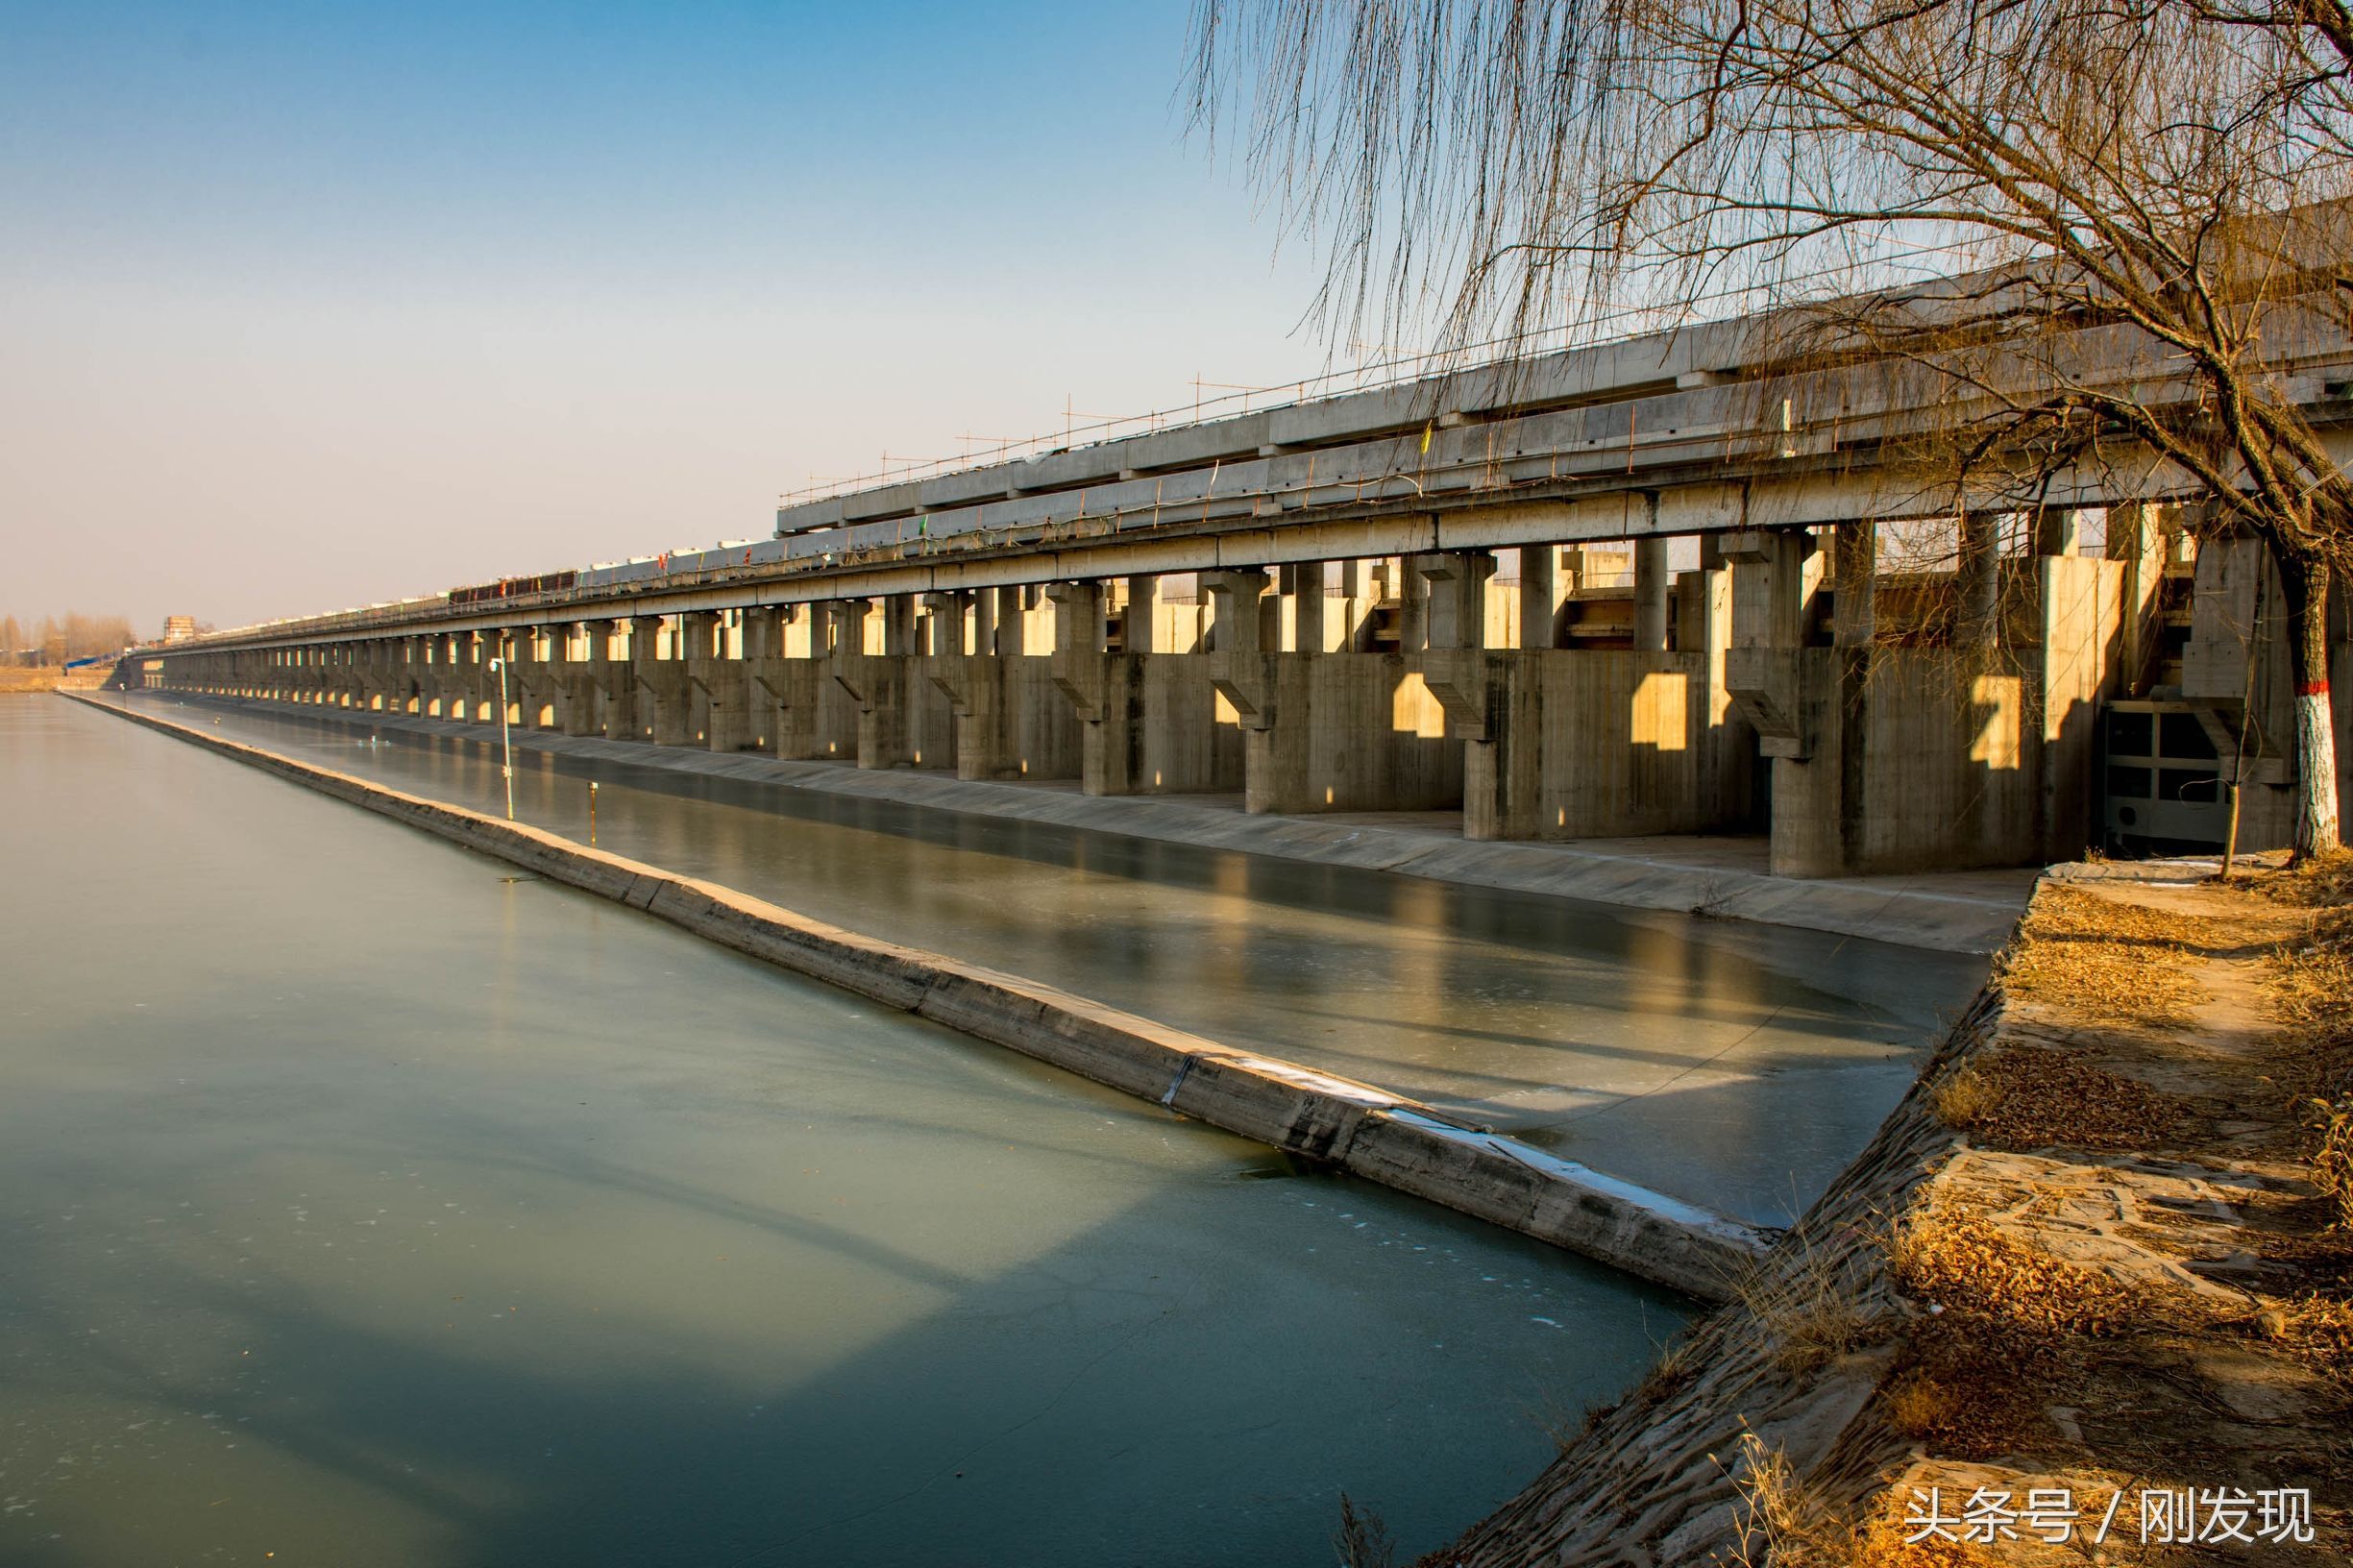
point(2085, 234)
point(55, 641)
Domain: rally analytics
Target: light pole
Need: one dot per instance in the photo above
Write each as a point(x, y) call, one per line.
point(506, 744)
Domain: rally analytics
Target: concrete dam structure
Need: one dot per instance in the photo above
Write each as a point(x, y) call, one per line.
point(1672, 585)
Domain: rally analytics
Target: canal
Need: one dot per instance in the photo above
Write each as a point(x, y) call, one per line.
point(364, 1202)
point(1732, 1064)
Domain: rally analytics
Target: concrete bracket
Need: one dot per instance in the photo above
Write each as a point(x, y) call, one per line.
point(771, 680)
point(1081, 678)
point(849, 673)
point(952, 679)
point(1459, 679)
point(1246, 682)
point(1762, 682)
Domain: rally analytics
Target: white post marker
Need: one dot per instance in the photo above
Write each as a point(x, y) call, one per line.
point(506, 744)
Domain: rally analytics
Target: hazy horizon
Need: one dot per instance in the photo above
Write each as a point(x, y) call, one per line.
point(307, 311)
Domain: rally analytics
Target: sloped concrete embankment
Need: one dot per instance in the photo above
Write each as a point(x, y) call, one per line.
point(1657, 1478)
point(1356, 1127)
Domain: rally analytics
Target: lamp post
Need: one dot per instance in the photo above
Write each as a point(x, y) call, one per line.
point(506, 744)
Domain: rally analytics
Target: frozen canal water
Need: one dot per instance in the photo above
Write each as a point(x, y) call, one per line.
point(1733, 1064)
point(362, 1203)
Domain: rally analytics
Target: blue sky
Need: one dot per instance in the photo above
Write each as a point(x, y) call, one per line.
point(309, 306)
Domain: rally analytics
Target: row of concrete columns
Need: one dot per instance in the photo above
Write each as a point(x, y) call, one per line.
point(1404, 704)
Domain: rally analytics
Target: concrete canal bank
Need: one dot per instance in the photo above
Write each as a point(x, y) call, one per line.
point(1316, 1114)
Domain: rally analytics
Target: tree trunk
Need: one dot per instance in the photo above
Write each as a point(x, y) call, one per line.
point(2304, 582)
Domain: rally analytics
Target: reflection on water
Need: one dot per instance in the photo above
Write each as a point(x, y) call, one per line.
point(1733, 1064)
point(364, 1203)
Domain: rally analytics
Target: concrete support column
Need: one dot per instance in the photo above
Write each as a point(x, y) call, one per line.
point(1539, 595)
point(509, 698)
point(612, 711)
point(1455, 602)
point(1359, 598)
point(1412, 595)
point(1856, 606)
point(878, 682)
point(1082, 674)
point(764, 686)
point(1139, 633)
point(675, 709)
point(1238, 619)
point(708, 712)
point(1012, 622)
point(947, 623)
point(401, 668)
point(575, 698)
point(1978, 584)
point(644, 675)
point(410, 672)
point(464, 684)
point(1800, 708)
point(1651, 584)
point(2135, 538)
point(972, 682)
point(1243, 672)
point(530, 684)
point(1078, 619)
point(1774, 573)
point(2068, 673)
point(981, 622)
point(1302, 588)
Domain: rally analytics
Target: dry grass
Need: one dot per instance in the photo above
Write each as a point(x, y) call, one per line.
point(1785, 1523)
point(2317, 1330)
point(2312, 993)
point(1966, 1098)
point(2323, 882)
point(2108, 962)
point(2332, 1162)
point(2031, 1097)
point(2314, 996)
point(1362, 1540)
point(1920, 1406)
point(16, 678)
point(1809, 1306)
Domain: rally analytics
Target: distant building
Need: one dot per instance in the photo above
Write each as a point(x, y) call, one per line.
point(179, 629)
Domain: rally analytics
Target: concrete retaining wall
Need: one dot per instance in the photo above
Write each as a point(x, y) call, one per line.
point(1360, 1128)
